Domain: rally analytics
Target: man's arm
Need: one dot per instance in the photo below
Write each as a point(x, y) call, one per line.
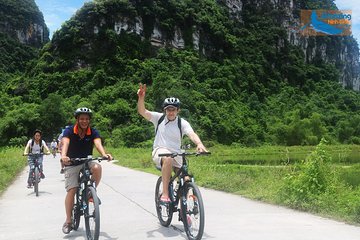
point(65, 146)
point(141, 102)
point(100, 149)
point(196, 140)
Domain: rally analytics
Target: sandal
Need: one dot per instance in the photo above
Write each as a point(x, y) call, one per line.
point(164, 200)
point(67, 227)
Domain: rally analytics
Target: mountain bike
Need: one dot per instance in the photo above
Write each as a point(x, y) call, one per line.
point(184, 192)
point(35, 171)
point(86, 202)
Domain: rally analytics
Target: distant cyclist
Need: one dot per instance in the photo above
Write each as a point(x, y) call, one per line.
point(78, 142)
point(53, 146)
point(59, 149)
point(35, 146)
point(169, 130)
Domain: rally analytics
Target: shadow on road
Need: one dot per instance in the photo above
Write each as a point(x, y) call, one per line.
point(171, 231)
point(81, 234)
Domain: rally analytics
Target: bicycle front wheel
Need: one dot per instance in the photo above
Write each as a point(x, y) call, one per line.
point(36, 180)
point(164, 213)
point(76, 212)
point(192, 211)
point(92, 215)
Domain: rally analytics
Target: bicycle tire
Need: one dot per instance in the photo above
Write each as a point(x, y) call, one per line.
point(76, 212)
point(36, 179)
point(164, 213)
point(192, 211)
point(92, 215)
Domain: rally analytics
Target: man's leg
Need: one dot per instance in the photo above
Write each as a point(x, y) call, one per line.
point(166, 168)
point(96, 173)
point(69, 203)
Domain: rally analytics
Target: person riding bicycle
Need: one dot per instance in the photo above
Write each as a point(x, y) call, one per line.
point(53, 146)
point(78, 142)
point(60, 147)
point(168, 136)
point(35, 146)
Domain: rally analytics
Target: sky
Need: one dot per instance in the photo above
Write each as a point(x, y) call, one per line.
point(57, 12)
point(354, 6)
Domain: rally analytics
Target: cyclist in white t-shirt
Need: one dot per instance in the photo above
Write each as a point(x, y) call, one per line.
point(36, 146)
point(168, 136)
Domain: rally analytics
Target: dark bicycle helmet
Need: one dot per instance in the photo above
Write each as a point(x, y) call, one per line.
point(37, 131)
point(171, 102)
point(83, 110)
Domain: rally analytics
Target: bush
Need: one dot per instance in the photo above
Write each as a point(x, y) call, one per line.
point(18, 141)
point(303, 188)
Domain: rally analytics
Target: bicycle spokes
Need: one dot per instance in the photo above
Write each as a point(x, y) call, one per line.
point(193, 214)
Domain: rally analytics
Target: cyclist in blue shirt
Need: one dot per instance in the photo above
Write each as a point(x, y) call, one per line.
point(78, 142)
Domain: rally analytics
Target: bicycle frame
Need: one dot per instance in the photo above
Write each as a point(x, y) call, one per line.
point(35, 171)
point(86, 190)
point(191, 211)
point(182, 173)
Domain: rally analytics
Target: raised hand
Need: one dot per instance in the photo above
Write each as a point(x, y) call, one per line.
point(142, 90)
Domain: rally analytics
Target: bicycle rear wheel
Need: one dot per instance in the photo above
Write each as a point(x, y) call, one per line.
point(192, 210)
point(164, 213)
point(36, 180)
point(76, 212)
point(92, 215)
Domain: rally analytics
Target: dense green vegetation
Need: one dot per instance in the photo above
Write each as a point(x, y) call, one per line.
point(251, 95)
point(245, 85)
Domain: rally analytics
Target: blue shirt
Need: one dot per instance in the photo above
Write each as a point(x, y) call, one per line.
point(80, 147)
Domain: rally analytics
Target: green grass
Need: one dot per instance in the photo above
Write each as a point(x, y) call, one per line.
point(258, 173)
point(11, 163)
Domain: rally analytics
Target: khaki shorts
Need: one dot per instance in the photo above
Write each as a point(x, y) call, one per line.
point(177, 161)
point(72, 175)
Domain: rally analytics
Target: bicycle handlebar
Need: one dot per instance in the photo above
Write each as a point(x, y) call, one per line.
point(88, 159)
point(183, 154)
point(34, 154)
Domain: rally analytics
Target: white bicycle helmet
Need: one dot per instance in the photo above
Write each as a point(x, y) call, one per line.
point(83, 110)
point(171, 102)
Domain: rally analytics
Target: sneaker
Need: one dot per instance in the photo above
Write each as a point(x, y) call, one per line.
point(29, 185)
point(42, 175)
point(66, 228)
point(62, 171)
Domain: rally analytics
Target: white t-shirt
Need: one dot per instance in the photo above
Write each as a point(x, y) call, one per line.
point(36, 147)
point(53, 144)
point(168, 134)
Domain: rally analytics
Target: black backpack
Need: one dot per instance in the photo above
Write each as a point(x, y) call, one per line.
point(40, 144)
point(162, 119)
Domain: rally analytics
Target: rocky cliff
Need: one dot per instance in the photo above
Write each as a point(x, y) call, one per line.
point(343, 52)
point(22, 20)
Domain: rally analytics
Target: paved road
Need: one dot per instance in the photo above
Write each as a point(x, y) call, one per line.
point(128, 212)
